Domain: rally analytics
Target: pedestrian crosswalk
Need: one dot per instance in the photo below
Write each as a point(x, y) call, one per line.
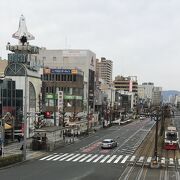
point(96, 158)
point(108, 159)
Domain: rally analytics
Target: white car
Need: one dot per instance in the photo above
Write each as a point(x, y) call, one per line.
point(108, 143)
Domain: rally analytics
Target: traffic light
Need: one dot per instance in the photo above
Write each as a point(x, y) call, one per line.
point(48, 114)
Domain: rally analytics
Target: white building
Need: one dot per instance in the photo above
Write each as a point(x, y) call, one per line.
point(84, 60)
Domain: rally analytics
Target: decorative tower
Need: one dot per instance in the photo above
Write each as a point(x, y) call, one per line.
point(24, 68)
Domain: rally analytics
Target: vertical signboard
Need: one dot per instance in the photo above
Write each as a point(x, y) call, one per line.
point(60, 100)
point(130, 85)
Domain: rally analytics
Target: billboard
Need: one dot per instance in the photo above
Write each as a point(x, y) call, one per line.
point(130, 85)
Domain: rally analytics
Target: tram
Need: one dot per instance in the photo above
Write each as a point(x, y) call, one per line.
point(171, 139)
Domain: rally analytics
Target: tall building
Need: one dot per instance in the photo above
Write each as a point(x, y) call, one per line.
point(156, 97)
point(84, 60)
point(104, 69)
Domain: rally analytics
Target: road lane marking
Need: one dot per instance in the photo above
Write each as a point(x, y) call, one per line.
point(79, 157)
point(72, 157)
point(60, 156)
point(104, 159)
point(89, 155)
point(124, 160)
point(111, 158)
point(97, 159)
point(132, 159)
point(93, 157)
point(66, 157)
point(118, 159)
point(47, 157)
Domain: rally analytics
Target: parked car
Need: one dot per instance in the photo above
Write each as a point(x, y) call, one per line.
point(108, 143)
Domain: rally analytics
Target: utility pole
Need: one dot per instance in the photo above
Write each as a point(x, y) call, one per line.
point(156, 136)
point(25, 118)
point(54, 98)
point(2, 137)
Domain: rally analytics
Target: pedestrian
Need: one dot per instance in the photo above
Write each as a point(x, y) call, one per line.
point(21, 147)
point(1, 151)
point(19, 138)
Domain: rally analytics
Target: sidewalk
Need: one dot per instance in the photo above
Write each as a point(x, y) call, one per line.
point(14, 147)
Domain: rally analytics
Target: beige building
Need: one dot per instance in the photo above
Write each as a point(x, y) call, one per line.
point(3, 65)
point(104, 69)
point(129, 83)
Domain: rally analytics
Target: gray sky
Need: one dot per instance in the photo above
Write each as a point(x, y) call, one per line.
point(142, 37)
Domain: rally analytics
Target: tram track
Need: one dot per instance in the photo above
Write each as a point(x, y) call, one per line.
point(138, 169)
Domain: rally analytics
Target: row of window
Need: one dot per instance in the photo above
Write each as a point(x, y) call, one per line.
point(66, 90)
point(72, 103)
point(59, 77)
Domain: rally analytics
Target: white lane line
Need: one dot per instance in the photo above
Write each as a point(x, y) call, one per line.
point(118, 159)
point(60, 156)
point(66, 157)
point(149, 159)
point(93, 157)
point(111, 158)
point(104, 159)
point(47, 157)
point(132, 159)
point(97, 159)
point(89, 155)
point(79, 157)
point(72, 157)
point(124, 160)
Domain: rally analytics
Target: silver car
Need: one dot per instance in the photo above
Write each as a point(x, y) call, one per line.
point(108, 143)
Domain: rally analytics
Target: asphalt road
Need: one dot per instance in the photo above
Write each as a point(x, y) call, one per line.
point(85, 160)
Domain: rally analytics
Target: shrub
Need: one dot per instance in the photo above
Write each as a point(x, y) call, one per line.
point(12, 159)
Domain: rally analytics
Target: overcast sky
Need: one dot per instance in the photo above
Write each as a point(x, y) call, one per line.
point(141, 37)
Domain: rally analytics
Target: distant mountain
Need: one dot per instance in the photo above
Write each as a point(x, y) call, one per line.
point(170, 93)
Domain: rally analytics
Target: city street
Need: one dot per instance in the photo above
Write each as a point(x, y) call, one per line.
point(85, 159)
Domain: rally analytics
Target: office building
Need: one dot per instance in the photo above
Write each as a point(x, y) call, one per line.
point(104, 70)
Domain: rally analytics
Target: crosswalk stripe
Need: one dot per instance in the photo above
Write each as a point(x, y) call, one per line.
point(72, 157)
point(47, 157)
point(60, 156)
point(118, 159)
point(97, 159)
point(104, 159)
point(93, 157)
point(141, 159)
point(52, 157)
point(89, 155)
point(149, 159)
point(111, 158)
point(78, 158)
point(132, 158)
point(179, 162)
point(66, 157)
point(124, 160)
